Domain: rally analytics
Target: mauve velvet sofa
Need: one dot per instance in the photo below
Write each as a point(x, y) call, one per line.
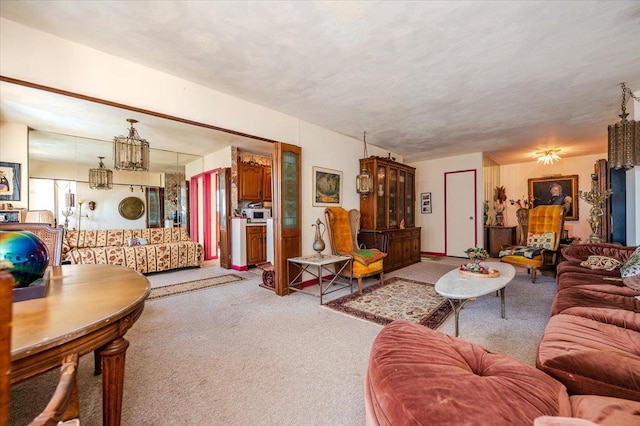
point(588, 362)
point(592, 341)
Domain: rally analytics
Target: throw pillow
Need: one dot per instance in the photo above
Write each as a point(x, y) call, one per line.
point(601, 262)
point(141, 241)
point(630, 271)
point(546, 240)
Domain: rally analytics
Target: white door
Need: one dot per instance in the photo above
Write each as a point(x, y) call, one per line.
point(460, 212)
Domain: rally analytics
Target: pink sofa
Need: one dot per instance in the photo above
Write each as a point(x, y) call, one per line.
point(418, 376)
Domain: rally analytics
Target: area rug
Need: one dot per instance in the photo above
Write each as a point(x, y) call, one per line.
point(173, 289)
point(396, 298)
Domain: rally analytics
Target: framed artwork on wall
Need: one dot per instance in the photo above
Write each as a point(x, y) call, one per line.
point(425, 202)
point(9, 181)
point(327, 187)
point(558, 190)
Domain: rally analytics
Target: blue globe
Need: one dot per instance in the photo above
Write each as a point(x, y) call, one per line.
point(27, 253)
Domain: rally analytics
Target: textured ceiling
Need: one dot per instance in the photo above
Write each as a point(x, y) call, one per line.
point(423, 79)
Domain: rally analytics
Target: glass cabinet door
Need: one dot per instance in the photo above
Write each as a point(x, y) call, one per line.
point(401, 196)
point(393, 198)
point(381, 204)
point(410, 204)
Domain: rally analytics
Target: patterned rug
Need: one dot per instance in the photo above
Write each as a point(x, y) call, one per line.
point(396, 298)
point(173, 289)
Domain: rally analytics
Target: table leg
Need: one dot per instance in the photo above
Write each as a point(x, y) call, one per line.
point(113, 357)
point(320, 281)
point(502, 304)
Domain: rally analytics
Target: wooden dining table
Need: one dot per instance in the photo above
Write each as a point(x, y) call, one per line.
point(88, 308)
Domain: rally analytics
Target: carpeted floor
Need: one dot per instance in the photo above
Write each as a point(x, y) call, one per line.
point(396, 298)
point(237, 354)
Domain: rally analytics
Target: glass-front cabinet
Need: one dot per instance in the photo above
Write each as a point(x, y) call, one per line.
point(388, 214)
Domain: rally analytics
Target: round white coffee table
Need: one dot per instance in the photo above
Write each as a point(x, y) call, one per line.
point(459, 289)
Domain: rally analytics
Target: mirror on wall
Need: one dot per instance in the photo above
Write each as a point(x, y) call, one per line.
point(59, 181)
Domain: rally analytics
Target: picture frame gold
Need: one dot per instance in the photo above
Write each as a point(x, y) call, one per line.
point(540, 193)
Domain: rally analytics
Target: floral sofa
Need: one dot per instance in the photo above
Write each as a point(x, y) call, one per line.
point(145, 250)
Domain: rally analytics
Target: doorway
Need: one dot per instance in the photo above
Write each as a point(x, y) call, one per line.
point(204, 211)
point(461, 226)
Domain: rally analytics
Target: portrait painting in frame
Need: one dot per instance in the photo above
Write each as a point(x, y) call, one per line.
point(559, 190)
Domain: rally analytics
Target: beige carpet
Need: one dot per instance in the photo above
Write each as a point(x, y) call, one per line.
point(395, 299)
point(237, 354)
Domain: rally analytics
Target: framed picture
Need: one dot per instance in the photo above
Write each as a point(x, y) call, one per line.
point(9, 181)
point(327, 187)
point(425, 202)
point(559, 190)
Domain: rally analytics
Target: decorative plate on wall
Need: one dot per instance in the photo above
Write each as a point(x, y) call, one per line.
point(131, 208)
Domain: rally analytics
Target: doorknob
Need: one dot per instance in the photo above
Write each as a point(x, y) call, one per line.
point(470, 217)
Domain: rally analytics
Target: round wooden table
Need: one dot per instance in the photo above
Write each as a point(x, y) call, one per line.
point(88, 308)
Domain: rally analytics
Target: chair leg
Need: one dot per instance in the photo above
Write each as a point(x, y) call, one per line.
point(533, 275)
point(381, 277)
point(360, 284)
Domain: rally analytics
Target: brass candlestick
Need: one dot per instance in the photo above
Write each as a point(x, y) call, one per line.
point(596, 198)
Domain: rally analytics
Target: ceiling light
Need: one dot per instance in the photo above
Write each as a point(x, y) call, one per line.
point(548, 156)
point(131, 152)
point(100, 178)
point(624, 138)
point(364, 182)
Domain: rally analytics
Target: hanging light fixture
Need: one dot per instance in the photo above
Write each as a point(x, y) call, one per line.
point(548, 156)
point(624, 137)
point(131, 152)
point(364, 182)
point(100, 178)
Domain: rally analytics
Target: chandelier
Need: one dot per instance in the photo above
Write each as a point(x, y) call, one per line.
point(624, 138)
point(131, 152)
point(548, 156)
point(100, 178)
point(364, 182)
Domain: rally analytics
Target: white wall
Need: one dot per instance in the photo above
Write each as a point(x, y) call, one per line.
point(514, 178)
point(430, 178)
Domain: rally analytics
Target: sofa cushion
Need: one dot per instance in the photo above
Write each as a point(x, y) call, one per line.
point(606, 411)
point(591, 357)
point(601, 262)
point(579, 252)
point(595, 296)
point(420, 376)
point(617, 317)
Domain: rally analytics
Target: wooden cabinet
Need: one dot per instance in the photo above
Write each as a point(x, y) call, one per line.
point(499, 237)
point(256, 244)
point(390, 210)
point(266, 185)
point(254, 182)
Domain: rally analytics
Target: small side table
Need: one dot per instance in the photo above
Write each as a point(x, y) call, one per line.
point(499, 236)
point(315, 266)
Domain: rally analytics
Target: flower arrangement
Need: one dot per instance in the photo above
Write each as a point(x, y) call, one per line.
point(477, 254)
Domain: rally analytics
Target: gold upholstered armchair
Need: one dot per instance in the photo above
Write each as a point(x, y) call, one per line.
point(343, 227)
point(544, 230)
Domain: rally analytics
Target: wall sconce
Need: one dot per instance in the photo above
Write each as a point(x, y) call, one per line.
point(624, 138)
point(364, 182)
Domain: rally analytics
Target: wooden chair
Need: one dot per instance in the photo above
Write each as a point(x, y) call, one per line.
point(51, 237)
point(541, 220)
point(342, 228)
point(63, 406)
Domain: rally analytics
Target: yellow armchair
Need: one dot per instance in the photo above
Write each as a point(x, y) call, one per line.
point(544, 223)
point(342, 227)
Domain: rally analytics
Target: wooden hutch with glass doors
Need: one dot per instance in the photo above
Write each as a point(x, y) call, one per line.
point(388, 215)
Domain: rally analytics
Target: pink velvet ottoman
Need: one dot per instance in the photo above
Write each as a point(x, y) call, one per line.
point(418, 376)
